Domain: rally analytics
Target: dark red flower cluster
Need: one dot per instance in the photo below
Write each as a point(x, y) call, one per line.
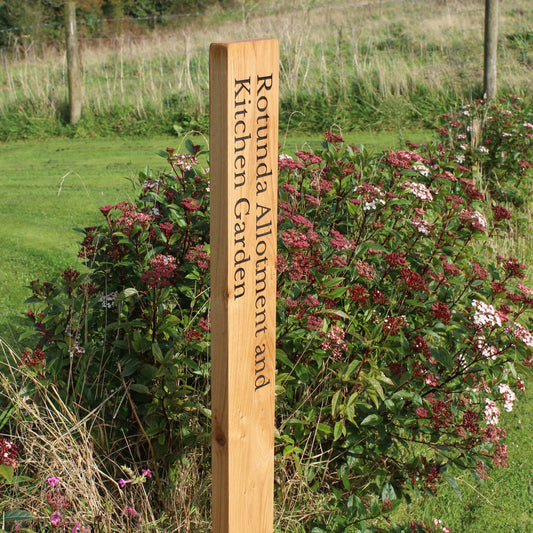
point(41, 290)
point(295, 239)
point(88, 247)
point(286, 162)
point(70, 275)
point(393, 324)
point(333, 137)
point(413, 280)
point(440, 311)
point(9, 453)
point(339, 241)
point(479, 271)
point(198, 255)
point(309, 158)
point(365, 270)
point(419, 345)
point(513, 267)
point(191, 204)
point(163, 268)
point(35, 358)
point(359, 294)
point(450, 269)
point(441, 416)
point(500, 213)
point(167, 228)
point(402, 159)
point(314, 322)
point(471, 421)
point(395, 259)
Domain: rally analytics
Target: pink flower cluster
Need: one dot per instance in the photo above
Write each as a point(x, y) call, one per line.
point(521, 333)
point(335, 342)
point(491, 413)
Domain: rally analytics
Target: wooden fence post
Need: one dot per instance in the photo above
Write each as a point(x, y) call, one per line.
point(491, 48)
point(75, 84)
point(244, 86)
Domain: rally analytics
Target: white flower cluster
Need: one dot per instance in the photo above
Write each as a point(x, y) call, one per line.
point(508, 396)
point(371, 206)
point(377, 192)
point(475, 216)
point(419, 190)
point(491, 414)
point(483, 149)
point(422, 225)
point(440, 527)
point(460, 159)
point(528, 125)
point(422, 169)
point(76, 349)
point(285, 157)
point(480, 218)
point(108, 300)
point(488, 351)
point(485, 315)
point(523, 334)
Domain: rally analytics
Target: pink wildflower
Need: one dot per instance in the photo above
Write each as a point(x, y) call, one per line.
point(56, 518)
point(53, 481)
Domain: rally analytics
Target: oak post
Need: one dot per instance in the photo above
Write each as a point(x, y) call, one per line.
point(244, 81)
point(75, 84)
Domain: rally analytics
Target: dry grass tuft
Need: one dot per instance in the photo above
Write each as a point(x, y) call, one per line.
point(56, 441)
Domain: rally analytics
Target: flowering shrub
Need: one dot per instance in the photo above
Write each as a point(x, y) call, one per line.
point(399, 342)
point(495, 142)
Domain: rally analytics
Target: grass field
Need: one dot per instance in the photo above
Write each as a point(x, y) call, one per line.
point(361, 65)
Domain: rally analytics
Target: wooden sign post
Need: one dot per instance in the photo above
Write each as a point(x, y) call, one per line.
point(244, 87)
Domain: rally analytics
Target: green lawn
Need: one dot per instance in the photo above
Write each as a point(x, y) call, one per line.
point(501, 504)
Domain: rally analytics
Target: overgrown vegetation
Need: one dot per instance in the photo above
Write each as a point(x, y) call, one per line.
point(399, 341)
point(383, 65)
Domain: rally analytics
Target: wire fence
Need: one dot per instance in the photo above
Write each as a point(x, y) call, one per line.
point(28, 48)
point(255, 10)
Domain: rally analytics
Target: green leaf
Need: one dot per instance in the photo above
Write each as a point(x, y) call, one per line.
point(339, 430)
point(18, 515)
point(453, 484)
point(189, 145)
point(387, 492)
point(7, 473)
point(334, 402)
point(372, 420)
point(130, 368)
point(138, 387)
point(157, 353)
